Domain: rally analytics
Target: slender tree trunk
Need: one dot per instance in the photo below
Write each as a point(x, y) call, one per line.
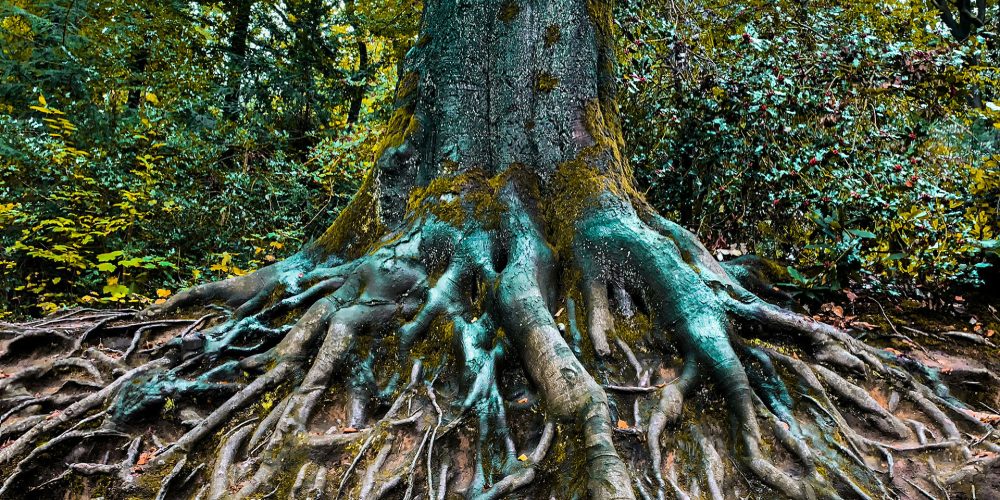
point(358, 93)
point(239, 12)
point(137, 79)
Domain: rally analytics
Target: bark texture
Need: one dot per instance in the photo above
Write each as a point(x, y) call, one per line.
point(498, 312)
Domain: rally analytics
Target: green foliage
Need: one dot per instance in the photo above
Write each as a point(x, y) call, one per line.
point(145, 147)
point(130, 165)
point(858, 141)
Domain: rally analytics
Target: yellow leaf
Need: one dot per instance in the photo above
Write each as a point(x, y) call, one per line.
point(523, 458)
point(622, 424)
point(112, 280)
point(162, 293)
point(41, 100)
point(159, 301)
point(151, 97)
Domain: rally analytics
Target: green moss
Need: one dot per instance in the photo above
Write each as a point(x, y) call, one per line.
point(552, 35)
point(632, 330)
point(508, 11)
point(434, 346)
point(443, 197)
point(545, 82)
point(358, 226)
point(470, 196)
point(565, 465)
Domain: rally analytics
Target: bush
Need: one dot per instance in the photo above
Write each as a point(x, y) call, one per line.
point(855, 142)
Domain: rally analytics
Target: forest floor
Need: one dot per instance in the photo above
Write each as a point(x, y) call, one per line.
point(958, 334)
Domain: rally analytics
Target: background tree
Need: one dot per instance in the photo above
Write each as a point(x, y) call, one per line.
point(498, 309)
point(132, 177)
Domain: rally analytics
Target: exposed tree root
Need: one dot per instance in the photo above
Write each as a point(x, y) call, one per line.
point(440, 363)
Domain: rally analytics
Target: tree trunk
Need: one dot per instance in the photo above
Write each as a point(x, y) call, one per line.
point(358, 92)
point(239, 13)
point(497, 312)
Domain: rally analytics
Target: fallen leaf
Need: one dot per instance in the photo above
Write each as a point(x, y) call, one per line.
point(622, 424)
point(350, 430)
point(523, 458)
point(522, 401)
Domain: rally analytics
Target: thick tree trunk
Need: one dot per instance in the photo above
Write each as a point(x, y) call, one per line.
point(497, 312)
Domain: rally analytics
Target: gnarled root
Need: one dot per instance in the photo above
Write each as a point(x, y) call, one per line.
point(439, 363)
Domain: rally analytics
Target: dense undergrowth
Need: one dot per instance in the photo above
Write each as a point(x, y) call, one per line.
point(858, 141)
point(143, 149)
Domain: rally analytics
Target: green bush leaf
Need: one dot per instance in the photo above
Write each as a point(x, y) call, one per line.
point(105, 257)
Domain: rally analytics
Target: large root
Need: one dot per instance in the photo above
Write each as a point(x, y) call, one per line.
point(478, 360)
